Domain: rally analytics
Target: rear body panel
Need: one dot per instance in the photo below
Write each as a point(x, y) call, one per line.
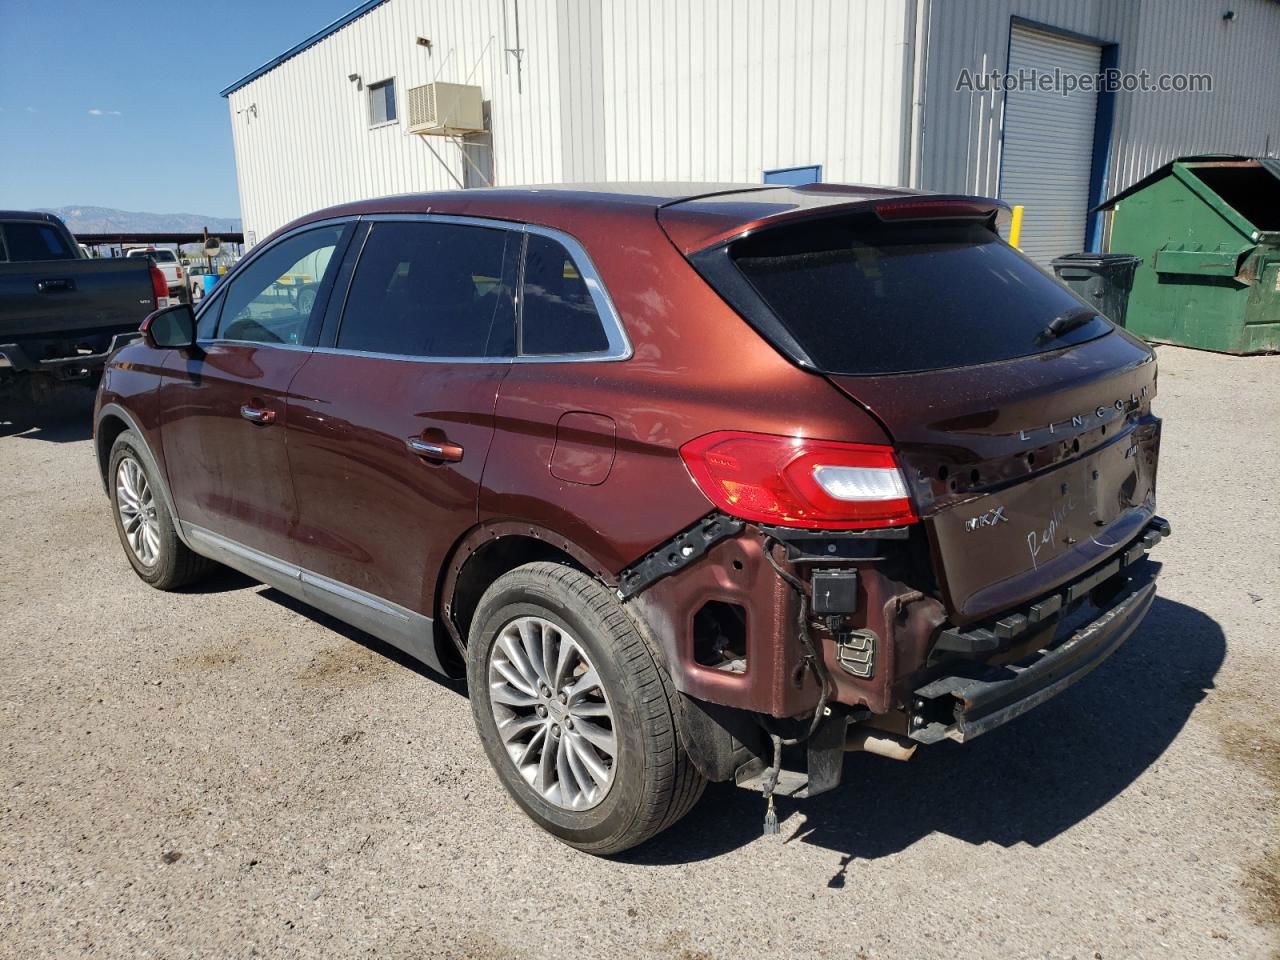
point(1025, 471)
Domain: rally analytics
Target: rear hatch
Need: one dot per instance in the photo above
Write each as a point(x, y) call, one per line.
point(1023, 419)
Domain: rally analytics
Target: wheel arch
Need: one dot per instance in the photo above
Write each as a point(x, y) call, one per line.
point(114, 420)
point(488, 551)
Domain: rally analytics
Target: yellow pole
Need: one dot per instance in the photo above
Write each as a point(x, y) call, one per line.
point(1015, 227)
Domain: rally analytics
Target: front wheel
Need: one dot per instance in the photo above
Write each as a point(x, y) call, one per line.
point(143, 521)
point(575, 712)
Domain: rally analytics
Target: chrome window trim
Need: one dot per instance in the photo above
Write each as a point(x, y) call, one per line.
point(410, 358)
point(254, 343)
point(619, 345)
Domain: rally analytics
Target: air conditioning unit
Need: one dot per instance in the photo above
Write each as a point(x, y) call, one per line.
point(445, 109)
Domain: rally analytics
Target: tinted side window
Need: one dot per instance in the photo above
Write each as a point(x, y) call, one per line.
point(558, 314)
point(35, 241)
point(273, 298)
point(429, 290)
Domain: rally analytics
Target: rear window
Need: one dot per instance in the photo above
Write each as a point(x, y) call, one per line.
point(864, 297)
point(35, 241)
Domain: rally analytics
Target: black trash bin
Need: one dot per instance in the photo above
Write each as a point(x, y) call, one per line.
point(1103, 279)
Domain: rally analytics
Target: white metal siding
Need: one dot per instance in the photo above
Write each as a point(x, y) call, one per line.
point(961, 144)
point(308, 145)
point(726, 89)
point(1240, 115)
point(1048, 144)
point(711, 90)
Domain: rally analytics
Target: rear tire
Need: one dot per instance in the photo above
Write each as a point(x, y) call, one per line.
point(648, 783)
point(144, 523)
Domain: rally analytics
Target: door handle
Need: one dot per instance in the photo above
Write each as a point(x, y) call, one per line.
point(54, 286)
point(428, 450)
point(257, 414)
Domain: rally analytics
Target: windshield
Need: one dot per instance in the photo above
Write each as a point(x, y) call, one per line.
point(159, 256)
point(865, 297)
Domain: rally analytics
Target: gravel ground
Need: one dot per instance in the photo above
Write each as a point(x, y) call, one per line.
point(223, 773)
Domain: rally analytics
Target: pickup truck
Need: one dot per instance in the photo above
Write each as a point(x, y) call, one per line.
point(61, 314)
point(171, 267)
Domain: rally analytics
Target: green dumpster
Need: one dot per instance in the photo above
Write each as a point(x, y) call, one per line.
point(1208, 231)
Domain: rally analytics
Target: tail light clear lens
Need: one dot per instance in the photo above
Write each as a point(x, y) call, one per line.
point(797, 482)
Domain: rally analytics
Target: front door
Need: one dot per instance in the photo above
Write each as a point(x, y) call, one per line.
point(390, 420)
point(223, 405)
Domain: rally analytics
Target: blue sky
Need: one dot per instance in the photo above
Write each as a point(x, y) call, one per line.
point(160, 139)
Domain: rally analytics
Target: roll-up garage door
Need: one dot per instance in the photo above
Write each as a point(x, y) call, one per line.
point(1048, 143)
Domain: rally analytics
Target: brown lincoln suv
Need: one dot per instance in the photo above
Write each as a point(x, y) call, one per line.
point(679, 475)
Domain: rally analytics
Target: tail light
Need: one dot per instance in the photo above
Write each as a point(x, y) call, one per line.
point(159, 287)
point(935, 210)
point(797, 482)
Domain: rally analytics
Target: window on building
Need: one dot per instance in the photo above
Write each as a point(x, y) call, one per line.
point(382, 103)
point(430, 290)
point(558, 315)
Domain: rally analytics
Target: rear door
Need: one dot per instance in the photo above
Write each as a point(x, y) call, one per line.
point(223, 406)
point(390, 420)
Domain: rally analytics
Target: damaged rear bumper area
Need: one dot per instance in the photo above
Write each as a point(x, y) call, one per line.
point(979, 697)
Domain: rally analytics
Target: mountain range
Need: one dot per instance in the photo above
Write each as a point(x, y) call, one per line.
point(106, 220)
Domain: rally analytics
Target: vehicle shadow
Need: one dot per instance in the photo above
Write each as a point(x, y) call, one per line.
point(63, 416)
point(370, 642)
point(226, 580)
point(1026, 782)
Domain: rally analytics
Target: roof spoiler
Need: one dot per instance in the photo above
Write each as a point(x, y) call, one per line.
point(697, 226)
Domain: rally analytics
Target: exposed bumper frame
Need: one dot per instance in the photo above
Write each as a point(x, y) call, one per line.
point(982, 704)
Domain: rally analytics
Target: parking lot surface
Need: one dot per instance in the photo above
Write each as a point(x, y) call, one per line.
point(225, 773)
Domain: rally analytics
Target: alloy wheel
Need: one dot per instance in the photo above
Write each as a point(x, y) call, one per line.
point(552, 712)
point(137, 508)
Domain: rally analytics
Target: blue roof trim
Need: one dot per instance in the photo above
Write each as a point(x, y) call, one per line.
point(311, 41)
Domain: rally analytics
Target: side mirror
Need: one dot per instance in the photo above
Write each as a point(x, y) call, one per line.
point(171, 328)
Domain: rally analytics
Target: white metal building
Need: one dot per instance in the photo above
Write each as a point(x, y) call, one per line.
point(860, 91)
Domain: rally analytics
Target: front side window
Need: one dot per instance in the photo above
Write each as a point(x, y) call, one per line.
point(382, 103)
point(274, 297)
point(35, 241)
point(558, 315)
point(430, 290)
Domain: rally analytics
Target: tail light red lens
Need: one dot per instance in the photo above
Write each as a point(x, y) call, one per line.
point(935, 210)
point(797, 482)
point(159, 285)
